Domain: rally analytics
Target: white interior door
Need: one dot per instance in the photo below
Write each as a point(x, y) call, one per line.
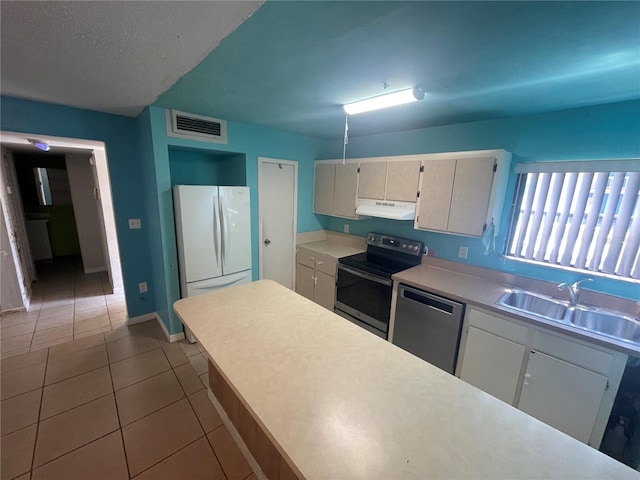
point(235, 228)
point(278, 200)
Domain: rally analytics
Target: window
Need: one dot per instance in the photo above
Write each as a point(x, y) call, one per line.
point(578, 215)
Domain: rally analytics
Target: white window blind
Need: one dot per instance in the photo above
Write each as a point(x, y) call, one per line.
point(583, 215)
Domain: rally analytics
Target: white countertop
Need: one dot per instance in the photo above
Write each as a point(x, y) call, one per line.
point(342, 403)
point(333, 249)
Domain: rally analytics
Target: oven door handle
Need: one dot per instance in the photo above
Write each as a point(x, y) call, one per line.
point(368, 276)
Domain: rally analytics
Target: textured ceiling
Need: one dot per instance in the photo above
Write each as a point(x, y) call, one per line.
point(291, 65)
point(113, 57)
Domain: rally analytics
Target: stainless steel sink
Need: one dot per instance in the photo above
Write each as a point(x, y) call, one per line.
point(607, 323)
point(534, 304)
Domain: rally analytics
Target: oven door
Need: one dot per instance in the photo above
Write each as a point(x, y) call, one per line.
point(365, 296)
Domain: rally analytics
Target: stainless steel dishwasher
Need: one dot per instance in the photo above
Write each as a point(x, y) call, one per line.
point(428, 326)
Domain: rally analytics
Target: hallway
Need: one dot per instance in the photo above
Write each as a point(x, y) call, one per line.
point(86, 396)
point(66, 304)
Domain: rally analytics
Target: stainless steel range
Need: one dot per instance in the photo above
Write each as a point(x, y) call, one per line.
point(364, 285)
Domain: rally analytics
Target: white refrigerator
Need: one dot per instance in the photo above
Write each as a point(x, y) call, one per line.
point(213, 230)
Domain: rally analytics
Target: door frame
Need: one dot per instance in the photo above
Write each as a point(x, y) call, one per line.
point(294, 163)
point(103, 191)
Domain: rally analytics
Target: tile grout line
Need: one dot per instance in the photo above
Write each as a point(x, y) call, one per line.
point(35, 440)
point(115, 400)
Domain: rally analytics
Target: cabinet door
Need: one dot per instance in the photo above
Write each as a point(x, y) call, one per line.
point(304, 281)
point(346, 189)
point(563, 395)
point(470, 197)
point(325, 290)
point(372, 180)
point(435, 195)
point(402, 181)
point(492, 364)
point(324, 188)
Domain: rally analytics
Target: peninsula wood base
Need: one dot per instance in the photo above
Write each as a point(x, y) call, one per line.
point(274, 466)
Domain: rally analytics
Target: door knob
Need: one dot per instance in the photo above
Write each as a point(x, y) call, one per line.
point(267, 241)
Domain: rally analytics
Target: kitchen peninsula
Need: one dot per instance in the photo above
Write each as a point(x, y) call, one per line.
point(336, 402)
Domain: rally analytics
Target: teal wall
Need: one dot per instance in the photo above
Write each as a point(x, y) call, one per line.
point(195, 167)
point(602, 132)
point(120, 136)
point(169, 157)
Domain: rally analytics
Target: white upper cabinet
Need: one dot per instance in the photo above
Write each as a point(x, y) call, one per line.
point(456, 192)
point(402, 181)
point(335, 189)
point(435, 195)
point(394, 181)
point(324, 188)
point(373, 177)
point(461, 193)
point(345, 190)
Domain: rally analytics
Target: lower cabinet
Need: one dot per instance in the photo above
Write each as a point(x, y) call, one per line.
point(565, 382)
point(561, 394)
point(492, 364)
point(316, 277)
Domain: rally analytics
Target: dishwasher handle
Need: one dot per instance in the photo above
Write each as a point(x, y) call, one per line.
point(437, 303)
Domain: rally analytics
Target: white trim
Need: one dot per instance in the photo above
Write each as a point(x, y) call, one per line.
point(101, 166)
point(171, 338)
point(294, 164)
point(496, 153)
point(95, 269)
point(236, 436)
point(141, 318)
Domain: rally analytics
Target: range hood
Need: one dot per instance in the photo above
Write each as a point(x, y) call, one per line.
point(384, 209)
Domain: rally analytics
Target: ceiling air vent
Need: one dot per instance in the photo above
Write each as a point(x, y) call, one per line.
point(196, 127)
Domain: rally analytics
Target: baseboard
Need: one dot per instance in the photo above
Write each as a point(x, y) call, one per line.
point(141, 318)
point(95, 269)
point(172, 338)
point(9, 311)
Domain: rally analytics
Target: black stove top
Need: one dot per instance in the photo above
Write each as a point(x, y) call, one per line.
point(386, 255)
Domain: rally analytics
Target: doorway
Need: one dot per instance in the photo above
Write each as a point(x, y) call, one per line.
point(278, 199)
point(93, 292)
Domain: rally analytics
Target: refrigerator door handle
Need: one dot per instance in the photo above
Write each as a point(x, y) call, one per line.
point(216, 230)
point(225, 230)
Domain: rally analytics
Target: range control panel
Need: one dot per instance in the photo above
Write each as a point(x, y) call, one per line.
point(397, 244)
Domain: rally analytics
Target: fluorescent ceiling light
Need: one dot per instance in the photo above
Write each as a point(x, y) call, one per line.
point(384, 101)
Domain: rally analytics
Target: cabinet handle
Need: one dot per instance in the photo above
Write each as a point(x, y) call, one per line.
point(315, 280)
point(319, 262)
point(527, 375)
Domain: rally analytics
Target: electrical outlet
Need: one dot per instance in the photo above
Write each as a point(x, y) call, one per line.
point(135, 223)
point(463, 252)
point(142, 287)
point(346, 228)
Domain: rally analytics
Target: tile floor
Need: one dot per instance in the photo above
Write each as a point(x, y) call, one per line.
point(116, 404)
point(66, 304)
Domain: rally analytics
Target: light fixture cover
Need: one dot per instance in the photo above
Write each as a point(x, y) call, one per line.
point(384, 101)
point(40, 145)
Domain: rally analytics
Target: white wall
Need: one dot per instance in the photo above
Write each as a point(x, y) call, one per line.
point(85, 210)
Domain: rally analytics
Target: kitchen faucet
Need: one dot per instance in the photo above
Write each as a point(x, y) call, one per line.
point(574, 289)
